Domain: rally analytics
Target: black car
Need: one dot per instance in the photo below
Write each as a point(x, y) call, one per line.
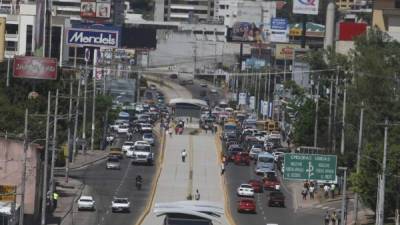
point(173, 76)
point(276, 198)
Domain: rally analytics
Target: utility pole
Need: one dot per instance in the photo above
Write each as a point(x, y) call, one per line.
point(330, 113)
point(335, 112)
point(316, 115)
point(359, 147)
point(53, 147)
point(194, 58)
point(23, 180)
point(8, 73)
point(46, 158)
point(268, 91)
point(84, 113)
point(69, 132)
point(343, 118)
point(138, 87)
point(76, 120)
point(381, 205)
point(93, 113)
point(343, 214)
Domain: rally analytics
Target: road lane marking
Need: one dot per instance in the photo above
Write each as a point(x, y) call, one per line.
point(159, 164)
point(190, 181)
point(227, 206)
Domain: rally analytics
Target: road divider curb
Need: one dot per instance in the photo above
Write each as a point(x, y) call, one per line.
point(155, 181)
point(228, 212)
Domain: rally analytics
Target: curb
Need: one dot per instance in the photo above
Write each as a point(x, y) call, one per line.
point(154, 183)
point(228, 212)
point(83, 165)
point(81, 187)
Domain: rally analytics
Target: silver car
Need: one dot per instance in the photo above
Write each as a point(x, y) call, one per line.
point(113, 163)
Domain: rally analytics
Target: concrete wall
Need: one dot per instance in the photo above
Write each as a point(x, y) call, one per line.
point(11, 164)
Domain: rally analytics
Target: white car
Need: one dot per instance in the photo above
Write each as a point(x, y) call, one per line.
point(127, 145)
point(149, 138)
point(120, 205)
point(86, 202)
point(123, 129)
point(245, 190)
point(276, 155)
point(141, 143)
point(254, 151)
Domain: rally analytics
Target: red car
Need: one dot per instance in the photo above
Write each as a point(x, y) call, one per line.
point(242, 158)
point(246, 205)
point(271, 182)
point(257, 185)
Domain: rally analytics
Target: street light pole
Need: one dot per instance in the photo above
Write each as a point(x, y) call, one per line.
point(93, 113)
point(84, 110)
point(76, 120)
point(342, 215)
point(46, 158)
point(383, 177)
point(358, 160)
point(343, 118)
point(53, 147)
point(69, 132)
point(22, 204)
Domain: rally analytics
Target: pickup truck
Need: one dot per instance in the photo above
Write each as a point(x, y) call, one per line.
point(120, 205)
point(141, 154)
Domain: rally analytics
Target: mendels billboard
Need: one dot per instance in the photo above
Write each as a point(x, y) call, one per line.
point(92, 37)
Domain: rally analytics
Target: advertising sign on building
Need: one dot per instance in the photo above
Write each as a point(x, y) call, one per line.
point(242, 98)
point(92, 37)
point(103, 10)
point(8, 193)
point(308, 7)
point(301, 68)
point(88, 9)
point(349, 30)
point(35, 67)
point(249, 32)
point(285, 51)
point(279, 30)
point(265, 108)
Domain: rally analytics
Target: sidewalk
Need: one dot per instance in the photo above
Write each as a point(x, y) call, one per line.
point(70, 191)
point(178, 179)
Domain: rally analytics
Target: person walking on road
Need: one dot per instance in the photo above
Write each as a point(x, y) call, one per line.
point(183, 154)
point(326, 190)
point(334, 218)
point(222, 168)
point(304, 193)
point(311, 190)
point(55, 199)
point(333, 187)
point(197, 195)
point(327, 218)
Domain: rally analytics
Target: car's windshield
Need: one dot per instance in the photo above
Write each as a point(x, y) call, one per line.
point(142, 148)
point(86, 200)
point(121, 201)
point(113, 160)
point(148, 135)
point(266, 159)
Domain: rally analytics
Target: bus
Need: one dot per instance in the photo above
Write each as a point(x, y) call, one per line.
point(268, 125)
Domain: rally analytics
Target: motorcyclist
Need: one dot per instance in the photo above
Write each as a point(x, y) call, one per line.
point(139, 181)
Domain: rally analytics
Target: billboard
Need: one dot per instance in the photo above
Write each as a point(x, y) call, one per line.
point(249, 32)
point(301, 68)
point(279, 30)
point(308, 7)
point(88, 9)
point(349, 30)
point(92, 37)
point(136, 37)
point(35, 67)
point(285, 51)
point(103, 10)
point(255, 63)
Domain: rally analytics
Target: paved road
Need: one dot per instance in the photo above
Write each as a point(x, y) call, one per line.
point(104, 184)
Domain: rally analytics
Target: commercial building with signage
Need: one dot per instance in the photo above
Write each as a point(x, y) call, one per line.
point(11, 156)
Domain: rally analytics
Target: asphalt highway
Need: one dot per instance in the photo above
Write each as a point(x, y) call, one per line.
point(105, 184)
point(236, 175)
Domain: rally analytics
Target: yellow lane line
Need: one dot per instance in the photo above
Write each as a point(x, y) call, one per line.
point(228, 211)
point(159, 165)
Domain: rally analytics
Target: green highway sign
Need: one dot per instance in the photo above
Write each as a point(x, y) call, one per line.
point(310, 167)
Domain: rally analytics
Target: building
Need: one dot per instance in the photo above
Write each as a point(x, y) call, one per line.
point(353, 4)
point(231, 11)
point(11, 161)
point(386, 16)
point(186, 11)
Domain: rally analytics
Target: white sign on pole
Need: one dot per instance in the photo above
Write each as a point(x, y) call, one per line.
point(234, 96)
point(308, 7)
point(265, 108)
point(252, 102)
point(242, 98)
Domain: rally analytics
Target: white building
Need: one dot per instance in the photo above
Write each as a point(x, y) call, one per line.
point(231, 11)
